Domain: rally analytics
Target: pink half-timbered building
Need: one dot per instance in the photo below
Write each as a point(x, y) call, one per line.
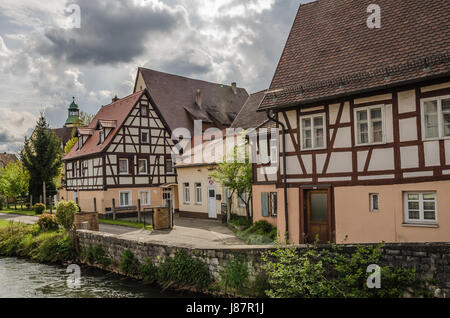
point(366, 117)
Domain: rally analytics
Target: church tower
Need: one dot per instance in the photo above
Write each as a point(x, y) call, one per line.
point(74, 115)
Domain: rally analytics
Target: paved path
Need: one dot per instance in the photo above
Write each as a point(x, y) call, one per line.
point(187, 232)
point(19, 218)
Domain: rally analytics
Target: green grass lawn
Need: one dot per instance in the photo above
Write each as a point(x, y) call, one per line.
point(4, 223)
point(21, 212)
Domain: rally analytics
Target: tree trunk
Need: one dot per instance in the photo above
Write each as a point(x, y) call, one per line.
point(44, 194)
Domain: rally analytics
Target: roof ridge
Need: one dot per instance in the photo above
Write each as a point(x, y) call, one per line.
point(189, 78)
point(125, 98)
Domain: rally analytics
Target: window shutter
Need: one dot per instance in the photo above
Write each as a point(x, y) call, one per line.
point(265, 204)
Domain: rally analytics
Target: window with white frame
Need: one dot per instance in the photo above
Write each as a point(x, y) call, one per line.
point(369, 123)
point(436, 117)
point(198, 193)
point(125, 198)
point(123, 166)
point(420, 207)
point(374, 202)
point(187, 193)
point(145, 198)
point(313, 132)
point(144, 137)
point(143, 167)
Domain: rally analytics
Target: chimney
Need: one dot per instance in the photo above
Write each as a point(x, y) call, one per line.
point(115, 99)
point(234, 88)
point(198, 98)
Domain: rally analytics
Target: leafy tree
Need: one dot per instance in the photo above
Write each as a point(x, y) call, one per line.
point(84, 119)
point(14, 180)
point(41, 156)
point(237, 176)
point(70, 144)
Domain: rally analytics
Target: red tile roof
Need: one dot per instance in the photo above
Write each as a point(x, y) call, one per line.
point(331, 52)
point(175, 98)
point(117, 111)
point(248, 117)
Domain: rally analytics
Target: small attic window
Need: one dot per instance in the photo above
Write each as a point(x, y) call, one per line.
point(101, 136)
point(144, 111)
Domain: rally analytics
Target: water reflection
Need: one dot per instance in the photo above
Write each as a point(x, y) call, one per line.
point(24, 279)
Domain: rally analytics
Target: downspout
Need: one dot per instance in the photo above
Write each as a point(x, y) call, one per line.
point(283, 129)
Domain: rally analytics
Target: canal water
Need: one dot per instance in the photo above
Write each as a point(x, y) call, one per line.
point(24, 279)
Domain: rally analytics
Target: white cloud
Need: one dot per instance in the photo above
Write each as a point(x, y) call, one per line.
point(215, 40)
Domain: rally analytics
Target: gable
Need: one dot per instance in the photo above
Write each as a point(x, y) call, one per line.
point(331, 52)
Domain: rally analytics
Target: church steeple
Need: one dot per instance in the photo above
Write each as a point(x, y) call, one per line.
point(74, 114)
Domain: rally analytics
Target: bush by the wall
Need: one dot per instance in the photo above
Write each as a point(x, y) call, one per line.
point(321, 273)
point(39, 208)
point(149, 271)
point(235, 274)
point(96, 255)
point(47, 223)
point(261, 232)
point(129, 264)
point(185, 270)
point(65, 214)
point(28, 241)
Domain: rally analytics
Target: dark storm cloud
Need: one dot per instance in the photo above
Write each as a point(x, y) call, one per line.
point(190, 63)
point(111, 32)
point(6, 137)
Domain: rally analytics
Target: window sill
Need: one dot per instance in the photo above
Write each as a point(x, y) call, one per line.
point(313, 149)
point(435, 139)
point(372, 144)
point(420, 225)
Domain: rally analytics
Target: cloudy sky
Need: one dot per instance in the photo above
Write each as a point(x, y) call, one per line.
point(44, 61)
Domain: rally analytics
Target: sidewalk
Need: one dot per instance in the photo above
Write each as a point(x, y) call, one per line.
point(19, 218)
point(186, 233)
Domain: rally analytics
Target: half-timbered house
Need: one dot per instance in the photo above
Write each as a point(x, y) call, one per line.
point(125, 154)
point(365, 113)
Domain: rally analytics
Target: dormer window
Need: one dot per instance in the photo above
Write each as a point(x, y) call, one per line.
point(101, 136)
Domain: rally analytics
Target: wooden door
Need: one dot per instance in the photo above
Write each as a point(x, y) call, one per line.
point(317, 216)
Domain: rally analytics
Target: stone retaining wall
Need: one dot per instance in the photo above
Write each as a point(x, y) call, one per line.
point(430, 260)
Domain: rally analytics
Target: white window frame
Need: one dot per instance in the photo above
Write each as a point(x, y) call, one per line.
point(440, 117)
point(371, 201)
point(146, 167)
point(130, 198)
point(421, 220)
point(128, 167)
point(198, 185)
point(186, 193)
point(148, 198)
point(370, 126)
point(148, 136)
point(313, 134)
